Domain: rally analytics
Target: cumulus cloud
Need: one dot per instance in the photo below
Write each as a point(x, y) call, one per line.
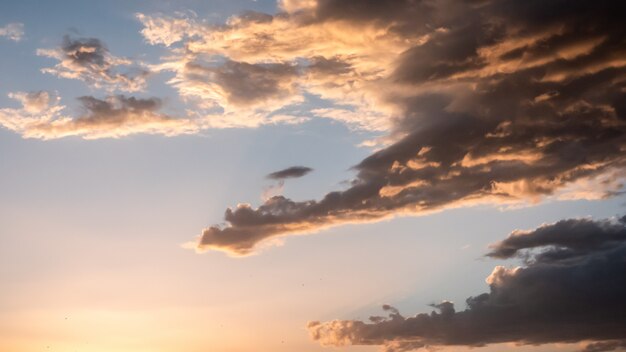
point(491, 102)
point(41, 116)
point(572, 290)
point(290, 172)
point(13, 31)
point(575, 236)
point(89, 60)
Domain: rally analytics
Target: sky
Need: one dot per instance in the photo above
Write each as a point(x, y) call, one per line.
point(313, 175)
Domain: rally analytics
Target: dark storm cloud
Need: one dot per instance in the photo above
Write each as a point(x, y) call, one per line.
point(290, 172)
point(89, 60)
point(554, 298)
point(503, 101)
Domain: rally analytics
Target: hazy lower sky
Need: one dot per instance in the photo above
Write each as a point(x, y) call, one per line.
point(276, 176)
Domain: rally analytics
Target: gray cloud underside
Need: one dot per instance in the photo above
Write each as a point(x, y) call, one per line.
point(575, 236)
point(290, 172)
point(509, 100)
point(571, 290)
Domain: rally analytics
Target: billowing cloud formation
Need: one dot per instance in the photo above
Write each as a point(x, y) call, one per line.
point(572, 289)
point(492, 101)
point(290, 172)
point(579, 236)
point(13, 31)
point(41, 116)
point(89, 60)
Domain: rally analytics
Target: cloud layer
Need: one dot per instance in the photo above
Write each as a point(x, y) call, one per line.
point(571, 289)
point(487, 101)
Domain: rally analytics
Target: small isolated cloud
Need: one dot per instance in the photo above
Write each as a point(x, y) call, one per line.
point(571, 290)
point(13, 31)
point(290, 172)
point(41, 116)
point(89, 60)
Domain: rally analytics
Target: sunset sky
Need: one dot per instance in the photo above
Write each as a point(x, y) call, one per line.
point(313, 175)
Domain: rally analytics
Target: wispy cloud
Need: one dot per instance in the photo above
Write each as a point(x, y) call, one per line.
point(89, 60)
point(13, 31)
point(41, 116)
point(263, 63)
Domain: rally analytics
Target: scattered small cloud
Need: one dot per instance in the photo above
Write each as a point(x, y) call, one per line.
point(290, 172)
point(89, 60)
point(13, 31)
point(42, 116)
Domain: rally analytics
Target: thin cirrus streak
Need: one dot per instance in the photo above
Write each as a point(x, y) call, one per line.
point(570, 290)
point(488, 102)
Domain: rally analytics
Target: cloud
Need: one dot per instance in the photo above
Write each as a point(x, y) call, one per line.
point(13, 31)
point(89, 60)
point(571, 291)
point(492, 102)
point(236, 86)
point(290, 172)
point(164, 29)
point(579, 236)
point(280, 176)
point(260, 63)
point(41, 116)
point(617, 345)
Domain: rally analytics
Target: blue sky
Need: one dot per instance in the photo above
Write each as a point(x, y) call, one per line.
point(96, 222)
